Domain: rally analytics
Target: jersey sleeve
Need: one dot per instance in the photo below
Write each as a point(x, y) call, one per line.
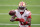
point(29, 15)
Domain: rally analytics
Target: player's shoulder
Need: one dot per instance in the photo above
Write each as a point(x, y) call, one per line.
point(28, 11)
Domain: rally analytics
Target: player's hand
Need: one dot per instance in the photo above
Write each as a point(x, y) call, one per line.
point(12, 20)
point(22, 20)
point(18, 19)
point(12, 13)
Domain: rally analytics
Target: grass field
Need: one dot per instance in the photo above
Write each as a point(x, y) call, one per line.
point(7, 5)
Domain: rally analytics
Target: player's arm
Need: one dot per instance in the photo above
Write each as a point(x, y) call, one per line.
point(12, 13)
point(13, 19)
point(29, 20)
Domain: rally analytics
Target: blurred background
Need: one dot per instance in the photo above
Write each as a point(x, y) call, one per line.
point(7, 5)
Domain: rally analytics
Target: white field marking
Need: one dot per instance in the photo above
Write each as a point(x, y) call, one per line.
point(8, 14)
point(17, 24)
point(35, 14)
point(3, 13)
point(26, 5)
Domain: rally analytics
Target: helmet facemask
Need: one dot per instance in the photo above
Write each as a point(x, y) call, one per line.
point(21, 9)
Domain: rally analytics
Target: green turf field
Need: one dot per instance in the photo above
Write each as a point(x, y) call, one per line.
point(7, 5)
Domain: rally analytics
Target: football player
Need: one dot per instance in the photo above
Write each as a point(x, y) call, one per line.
point(23, 15)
